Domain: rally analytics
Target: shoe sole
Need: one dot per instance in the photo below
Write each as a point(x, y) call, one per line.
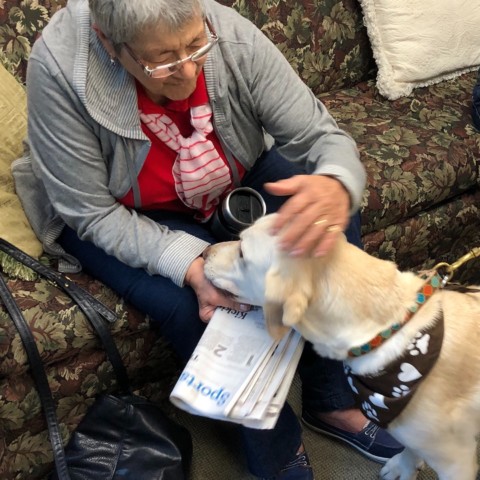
point(370, 456)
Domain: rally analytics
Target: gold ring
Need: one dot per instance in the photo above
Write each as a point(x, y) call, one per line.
point(320, 222)
point(333, 229)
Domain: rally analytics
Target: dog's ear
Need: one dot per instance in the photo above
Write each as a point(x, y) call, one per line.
point(286, 302)
point(273, 313)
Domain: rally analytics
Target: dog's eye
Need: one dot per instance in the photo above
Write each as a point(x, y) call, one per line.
point(240, 252)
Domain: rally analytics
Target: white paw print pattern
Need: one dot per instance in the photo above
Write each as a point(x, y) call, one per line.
point(369, 411)
point(352, 386)
point(400, 391)
point(348, 372)
point(419, 344)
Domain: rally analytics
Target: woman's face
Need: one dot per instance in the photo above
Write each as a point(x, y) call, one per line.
point(157, 46)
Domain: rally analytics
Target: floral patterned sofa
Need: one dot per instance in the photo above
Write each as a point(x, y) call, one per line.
point(421, 206)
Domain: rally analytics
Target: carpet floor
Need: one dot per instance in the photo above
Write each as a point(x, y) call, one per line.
point(218, 453)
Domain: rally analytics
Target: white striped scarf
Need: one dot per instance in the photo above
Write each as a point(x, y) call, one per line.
point(200, 173)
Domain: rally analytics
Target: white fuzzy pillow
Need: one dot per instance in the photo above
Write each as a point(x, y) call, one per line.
point(421, 42)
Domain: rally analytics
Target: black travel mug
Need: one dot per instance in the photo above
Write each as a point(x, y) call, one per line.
point(238, 210)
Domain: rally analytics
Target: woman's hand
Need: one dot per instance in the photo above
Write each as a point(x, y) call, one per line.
point(309, 221)
point(209, 297)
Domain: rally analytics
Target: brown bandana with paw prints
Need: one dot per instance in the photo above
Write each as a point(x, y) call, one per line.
point(383, 397)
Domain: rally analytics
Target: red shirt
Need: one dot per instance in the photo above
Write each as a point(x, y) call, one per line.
point(155, 180)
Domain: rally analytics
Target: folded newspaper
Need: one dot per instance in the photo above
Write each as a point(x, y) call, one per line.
point(237, 372)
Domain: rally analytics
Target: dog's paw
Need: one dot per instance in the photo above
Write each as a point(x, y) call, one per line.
point(419, 344)
point(401, 467)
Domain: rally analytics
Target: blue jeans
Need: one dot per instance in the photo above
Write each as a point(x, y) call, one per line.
point(476, 103)
point(174, 311)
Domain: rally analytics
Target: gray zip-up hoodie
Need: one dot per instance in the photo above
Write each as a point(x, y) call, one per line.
point(87, 146)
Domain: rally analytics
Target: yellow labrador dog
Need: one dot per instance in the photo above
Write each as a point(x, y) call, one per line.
point(411, 349)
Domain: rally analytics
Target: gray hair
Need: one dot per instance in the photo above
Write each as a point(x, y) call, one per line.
point(122, 20)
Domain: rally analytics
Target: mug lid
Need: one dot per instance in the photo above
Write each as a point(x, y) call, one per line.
point(243, 206)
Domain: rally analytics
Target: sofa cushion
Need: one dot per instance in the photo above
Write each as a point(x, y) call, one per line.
point(325, 42)
point(59, 326)
point(421, 43)
point(418, 151)
point(14, 225)
point(443, 233)
point(21, 23)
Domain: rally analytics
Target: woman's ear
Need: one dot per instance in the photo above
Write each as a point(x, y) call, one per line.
point(107, 44)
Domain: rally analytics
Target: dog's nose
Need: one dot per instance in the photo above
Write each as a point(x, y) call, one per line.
point(206, 252)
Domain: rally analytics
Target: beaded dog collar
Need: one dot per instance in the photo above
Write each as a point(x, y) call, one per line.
point(432, 283)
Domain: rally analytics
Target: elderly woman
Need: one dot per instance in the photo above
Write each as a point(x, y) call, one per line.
point(143, 115)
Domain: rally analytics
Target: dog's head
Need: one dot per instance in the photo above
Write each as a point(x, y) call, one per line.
point(257, 272)
point(335, 301)
point(240, 267)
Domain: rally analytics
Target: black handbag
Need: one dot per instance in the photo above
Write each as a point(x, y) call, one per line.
point(122, 436)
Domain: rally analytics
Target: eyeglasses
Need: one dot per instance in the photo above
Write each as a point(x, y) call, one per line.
point(163, 71)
